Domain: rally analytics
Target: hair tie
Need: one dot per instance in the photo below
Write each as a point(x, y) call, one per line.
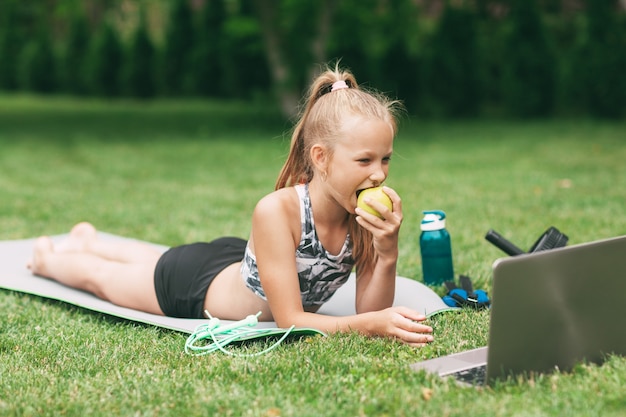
point(338, 85)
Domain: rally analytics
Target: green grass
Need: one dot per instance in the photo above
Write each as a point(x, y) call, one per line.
point(174, 172)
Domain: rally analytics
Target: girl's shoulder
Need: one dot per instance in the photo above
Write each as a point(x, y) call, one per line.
point(281, 202)
point(277, 214)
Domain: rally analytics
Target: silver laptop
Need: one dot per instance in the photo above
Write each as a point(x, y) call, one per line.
point(550, 310)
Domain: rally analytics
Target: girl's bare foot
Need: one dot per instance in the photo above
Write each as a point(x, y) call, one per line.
point(79, 238)
point(43, 247)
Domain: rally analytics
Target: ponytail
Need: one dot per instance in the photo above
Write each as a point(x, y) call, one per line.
point(297, 168)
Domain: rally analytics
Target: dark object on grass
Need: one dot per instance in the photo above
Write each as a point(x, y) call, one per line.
point(465, 296)
point(550, 239)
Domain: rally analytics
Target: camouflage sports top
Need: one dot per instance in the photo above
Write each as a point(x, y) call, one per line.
point(319, 272)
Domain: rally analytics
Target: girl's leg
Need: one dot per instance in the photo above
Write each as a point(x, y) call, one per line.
point(83, 238)
point(127, 284)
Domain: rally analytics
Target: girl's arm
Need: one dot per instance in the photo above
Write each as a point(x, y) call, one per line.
point(376, 282)
point(275, 236)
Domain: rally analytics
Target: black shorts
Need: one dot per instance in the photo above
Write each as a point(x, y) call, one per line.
point(183, 274)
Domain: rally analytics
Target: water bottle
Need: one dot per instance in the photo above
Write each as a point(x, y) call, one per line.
point(435, 248)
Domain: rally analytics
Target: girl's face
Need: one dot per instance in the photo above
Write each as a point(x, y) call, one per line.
point(360, 159)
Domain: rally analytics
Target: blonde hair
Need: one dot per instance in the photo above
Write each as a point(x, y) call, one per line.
point(321, 122)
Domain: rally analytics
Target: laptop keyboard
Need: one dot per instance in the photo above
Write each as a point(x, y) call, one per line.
point(474, 376)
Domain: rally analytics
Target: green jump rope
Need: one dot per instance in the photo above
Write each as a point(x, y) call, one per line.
point(211, 336)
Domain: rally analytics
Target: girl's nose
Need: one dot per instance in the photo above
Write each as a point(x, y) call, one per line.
point(378, 175)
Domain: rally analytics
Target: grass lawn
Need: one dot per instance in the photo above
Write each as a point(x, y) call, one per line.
point(175, 172)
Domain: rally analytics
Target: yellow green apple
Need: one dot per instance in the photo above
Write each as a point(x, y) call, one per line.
point(377, 194)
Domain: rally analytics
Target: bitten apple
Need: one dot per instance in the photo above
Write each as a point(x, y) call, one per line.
point(375, 193)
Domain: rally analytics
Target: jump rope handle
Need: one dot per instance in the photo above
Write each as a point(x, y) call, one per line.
point(249, 321)
point(501, 243)
point(550, 239)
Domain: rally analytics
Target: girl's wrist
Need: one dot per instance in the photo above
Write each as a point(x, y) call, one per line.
point(386, 267)
point(387, 260)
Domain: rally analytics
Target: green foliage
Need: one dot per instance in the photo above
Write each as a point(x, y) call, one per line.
point(297, 22)
point(73, 63)
point(491, 50)
point(522, 58)
point(598, 67)
point(176, 55)
point(451, 66)
point(362, 35)
point(395, 68)
point(529, 66)
point(139, 71)
point(9, 46)
point(374, 41)
point(349, 38)
point(207, 56)
point(246, 71)
point(105, 57)
point(37, 65)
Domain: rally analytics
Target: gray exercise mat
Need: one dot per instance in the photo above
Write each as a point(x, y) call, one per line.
point(14, 276)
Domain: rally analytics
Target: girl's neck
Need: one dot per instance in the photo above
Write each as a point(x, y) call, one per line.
point(326, 210)
point(331, 220)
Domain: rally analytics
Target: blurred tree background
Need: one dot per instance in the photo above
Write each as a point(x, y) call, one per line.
point(443, 58)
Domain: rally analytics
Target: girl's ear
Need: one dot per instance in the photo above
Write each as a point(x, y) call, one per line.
point(319, 157)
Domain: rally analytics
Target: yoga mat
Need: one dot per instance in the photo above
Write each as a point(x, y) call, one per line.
point(14, 276)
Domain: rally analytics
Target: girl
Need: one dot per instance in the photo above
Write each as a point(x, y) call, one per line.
point(341, 145)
